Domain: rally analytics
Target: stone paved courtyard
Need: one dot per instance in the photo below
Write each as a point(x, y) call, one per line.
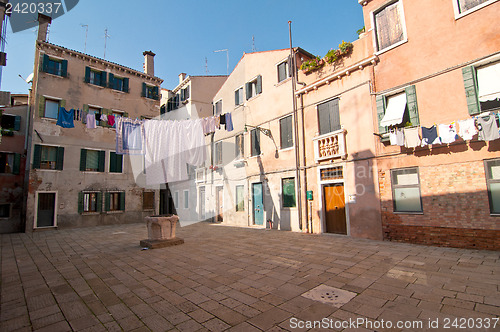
point(225, 278)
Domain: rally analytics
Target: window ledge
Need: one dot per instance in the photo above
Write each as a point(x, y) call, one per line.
point(254, 97)
point(97, 86)
point(287, 149)
point(54, 75)
point(90, 213)
point(93, 172)
point(414, 213)
point(253, 157)
point(404, 41)
point(47, 170)
point(48, 119)
point(238, 106)
point(148, 210)
point(494, 214)
point(283, 82)
point(114, 212)
point(45, 227)
point(119, 91)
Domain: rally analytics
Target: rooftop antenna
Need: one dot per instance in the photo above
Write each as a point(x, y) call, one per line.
point(227, 55)
point(206, 66)
point(106, 36)
point(253, 43)
point(86, 33)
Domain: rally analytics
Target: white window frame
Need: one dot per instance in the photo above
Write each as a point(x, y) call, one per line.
point(55, 99)
point(458, 15)
point(215, 107)
point(374, 28)
point(200, 175)
point(242, 100)
point(253, 84)
point(394, 187)
point(287, 71)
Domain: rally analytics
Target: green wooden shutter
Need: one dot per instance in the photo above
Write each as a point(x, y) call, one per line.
point(125, 85)
point(380, 113)
point(187, 92)
point(87, 74)
point(83, 160)
point(103, 78)
point(470, 81)
point(99, 202)
point(248, 90)
point(16, 167)
point(144, 88)
point(64, 68)
point(112, 162)
point(45, 63)
point(122, 201)
point(183, 95)
point(80, 202)
point(119, 163)
point(156, 93)
point(41, 107)
point(102, 158)
point(106, 201)
point(259, 85)
point(236, 98)
point(334, 115)
point(324, 119)
point(60, 158)
point(111, 81)
point(411, 103)
point(37, 156)
point(17, 123)
point(62, 103)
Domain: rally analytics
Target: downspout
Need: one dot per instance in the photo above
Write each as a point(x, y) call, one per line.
point(296, 128)
point(308, 227)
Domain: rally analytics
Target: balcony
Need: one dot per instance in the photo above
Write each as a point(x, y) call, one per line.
point(330, 146)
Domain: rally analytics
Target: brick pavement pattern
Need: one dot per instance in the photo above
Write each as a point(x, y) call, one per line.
point(237, 279)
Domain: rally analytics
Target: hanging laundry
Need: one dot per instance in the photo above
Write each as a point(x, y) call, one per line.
point(91, 124)
point(208, 125)
point(111, 120)
point(129, 136)
point(487, 127)
point(104, 118)
point(84, 117)
point(217, 122)
point(397, 137)
point(65, 118)
point(98, 116)
point(448, 133)
point(412, 139)
point(430, 136)
point(223, 119)
point(229, 122)
point(467, 129)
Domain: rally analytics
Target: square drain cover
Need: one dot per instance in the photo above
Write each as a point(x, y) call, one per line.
point(329, 295)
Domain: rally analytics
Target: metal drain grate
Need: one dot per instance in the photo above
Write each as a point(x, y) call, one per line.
point(329, 295)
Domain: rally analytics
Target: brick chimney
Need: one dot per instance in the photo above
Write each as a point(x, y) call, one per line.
point(149, 63)
point(43, 26)
point(182, 77)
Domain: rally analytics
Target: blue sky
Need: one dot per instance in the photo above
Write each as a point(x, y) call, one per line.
point(183, 33)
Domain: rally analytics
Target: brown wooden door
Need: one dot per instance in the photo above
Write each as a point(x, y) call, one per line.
point(334, 203)
point(220, 201)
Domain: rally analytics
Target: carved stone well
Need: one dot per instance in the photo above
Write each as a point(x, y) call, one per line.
point(161, 231)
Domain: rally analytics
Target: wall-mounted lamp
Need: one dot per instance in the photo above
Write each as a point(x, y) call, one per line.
point(266, 132)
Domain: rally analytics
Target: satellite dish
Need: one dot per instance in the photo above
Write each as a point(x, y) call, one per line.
point(30, 78)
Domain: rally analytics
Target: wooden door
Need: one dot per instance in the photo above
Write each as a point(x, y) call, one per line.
point(46, 210)
point(220, 203)
point(257, 204)
point(334, 205)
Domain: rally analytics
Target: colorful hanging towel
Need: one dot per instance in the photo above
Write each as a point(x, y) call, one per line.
point(65, 118)
point(430, 136)
point(104, 118)
point(91, 124)
point(229, 122)
point(129, 136)
point(447, 133)
point(466, 129)
point(111, 120)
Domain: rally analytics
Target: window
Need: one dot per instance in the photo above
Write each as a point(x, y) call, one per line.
point(184, 93)
point(176, 199)
point(398, 110)
point(48, 157)
point(389, 25)
point(200, 175)
point(254, 87)
point(148, 200)
point(10, 163)
point(115, 162)
point(218, 108)
point(186, 199)
point(114, 201)
point(328, 117)
point(283, 72)
point(286, 136)
point(406, 190)
point(238, 97)
point(218, 153)
point(92, 160)
point(493, 183)
point(255, 139)
point(97, 112)
point(288, 191)
point(54, 66)
point(10, 122)
point(96, 77)
point(89, 202)
point(332, 173)
point(239, 147)
point(482, 88)
point(240, 205)
point(51, 109)
point(4, 210)
point(173, 103)
point(118, 83)
point(467, 5)
point(150, 91)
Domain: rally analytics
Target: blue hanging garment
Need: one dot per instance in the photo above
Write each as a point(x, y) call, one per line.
point(65, 118)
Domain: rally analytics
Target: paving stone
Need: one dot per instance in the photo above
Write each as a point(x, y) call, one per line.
point(269, 318)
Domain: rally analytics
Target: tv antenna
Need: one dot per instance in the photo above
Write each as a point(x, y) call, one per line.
point(106, 36)
point(227, 56)
point(253, 43)
point(86, 33)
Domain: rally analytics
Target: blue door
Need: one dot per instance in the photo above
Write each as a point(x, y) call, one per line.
point(258, 204)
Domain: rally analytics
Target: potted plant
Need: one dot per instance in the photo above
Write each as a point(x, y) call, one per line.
point(345, 47)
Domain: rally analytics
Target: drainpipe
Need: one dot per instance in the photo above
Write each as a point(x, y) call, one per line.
point(296, 128)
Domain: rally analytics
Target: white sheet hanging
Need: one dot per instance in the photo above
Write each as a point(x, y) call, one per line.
point(488, 79)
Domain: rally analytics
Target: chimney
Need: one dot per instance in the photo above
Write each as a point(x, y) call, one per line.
point(182, 77)
point(149, 63)
point(43, 26)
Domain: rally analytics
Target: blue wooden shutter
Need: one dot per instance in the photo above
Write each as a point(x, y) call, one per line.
point(37, 156)
point(102, 158)
point(64, 68)
point(144, 89)
point(111, 81)
point(87, 74)
point(125, 84)
point(411, 103)
point(45, 63)
point(470, 84)
point(16, 167)
point(122, 201)
point(83, 160)
point(17, 123)
point(103, 78)
point(80, 202)
point(259, 85)
point(380, 113)
point(60, 158)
